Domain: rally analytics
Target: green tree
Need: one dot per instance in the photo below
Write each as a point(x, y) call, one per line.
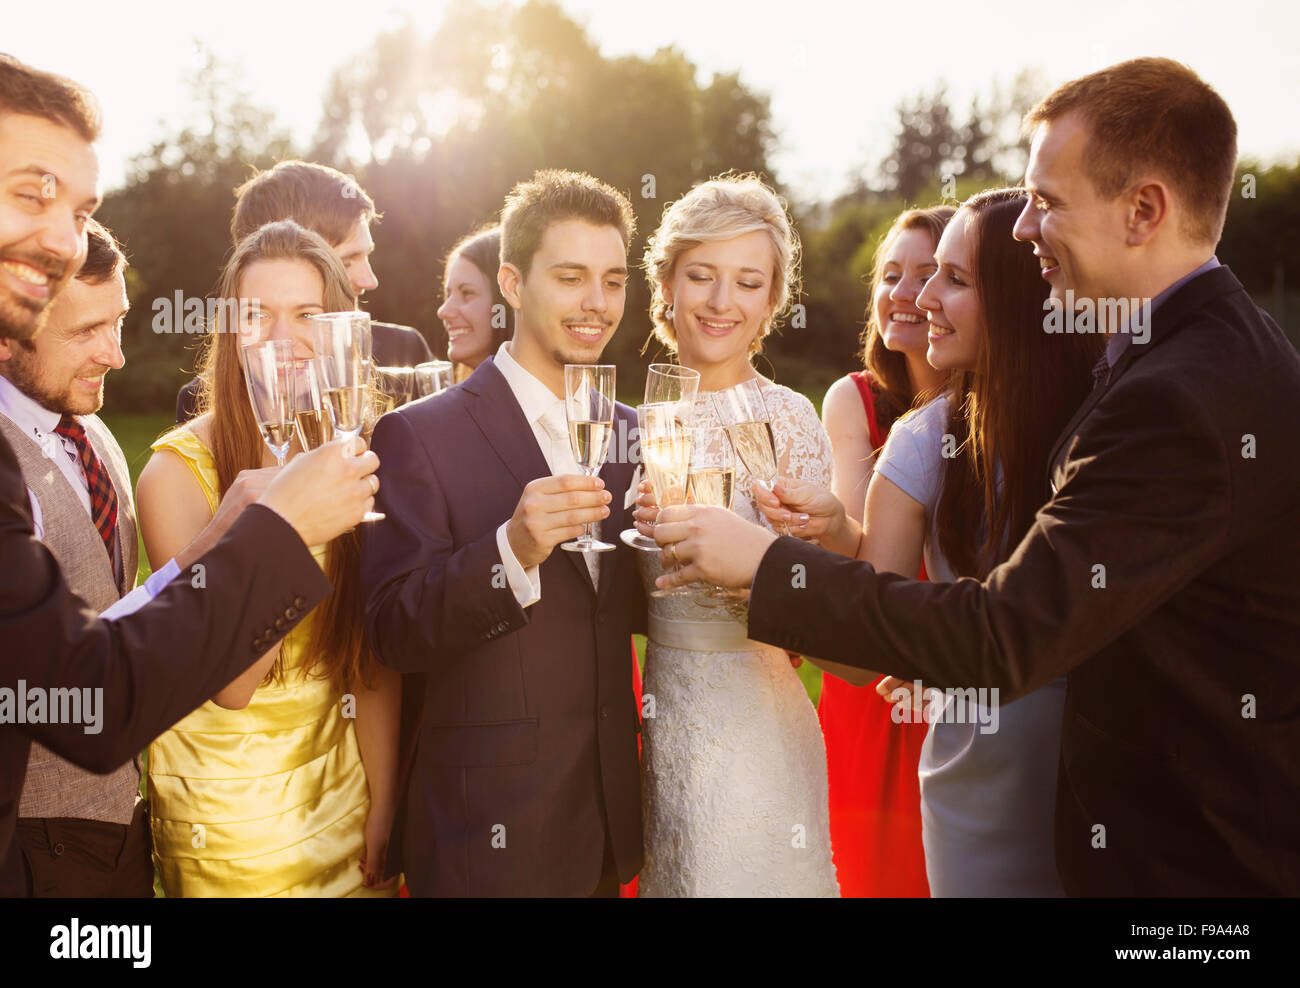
point(173, 215)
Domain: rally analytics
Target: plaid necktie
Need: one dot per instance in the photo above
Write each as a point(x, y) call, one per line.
point(1101, 372)
point(103, 499)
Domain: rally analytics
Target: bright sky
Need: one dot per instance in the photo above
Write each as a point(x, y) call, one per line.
point(813, 58)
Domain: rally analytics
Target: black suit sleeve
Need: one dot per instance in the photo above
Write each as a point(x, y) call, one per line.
point(1145, 496)
point(425, 599)
point(158, 664)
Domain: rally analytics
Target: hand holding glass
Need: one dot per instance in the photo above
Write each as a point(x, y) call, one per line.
point(342, 350)
point(268, 372)
point(589, 409)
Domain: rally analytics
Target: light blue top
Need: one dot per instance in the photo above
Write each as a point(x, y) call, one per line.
point(988, 785)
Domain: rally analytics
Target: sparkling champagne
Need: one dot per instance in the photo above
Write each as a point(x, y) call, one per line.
point(756, 448)
point(590, 444)
point(278, 435)
point(345, 407)
point(713, 485)
point(668, 464)
point(314, 427)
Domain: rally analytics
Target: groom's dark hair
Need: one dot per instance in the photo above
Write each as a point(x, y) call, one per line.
point(554, 195)
point(1156, 114)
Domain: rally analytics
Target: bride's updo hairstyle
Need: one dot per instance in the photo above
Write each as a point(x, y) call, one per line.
point(720, 209)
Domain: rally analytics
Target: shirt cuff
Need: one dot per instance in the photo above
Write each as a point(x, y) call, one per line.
point(525, 584)
point(140, 596)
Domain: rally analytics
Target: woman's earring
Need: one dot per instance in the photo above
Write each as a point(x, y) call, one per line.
point(669, 314)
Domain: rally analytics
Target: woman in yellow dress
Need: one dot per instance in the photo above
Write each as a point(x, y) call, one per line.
point(284, 782)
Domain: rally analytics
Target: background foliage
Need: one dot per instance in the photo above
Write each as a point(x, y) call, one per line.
point(438, 129)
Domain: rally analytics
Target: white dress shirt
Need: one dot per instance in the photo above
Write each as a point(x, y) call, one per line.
point(545, 414)
point(37, 421)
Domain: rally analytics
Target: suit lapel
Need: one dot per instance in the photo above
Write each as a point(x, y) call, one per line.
point(1166, 320)
point(498, 416)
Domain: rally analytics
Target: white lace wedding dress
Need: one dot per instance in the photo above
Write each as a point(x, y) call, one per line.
point(734, 767)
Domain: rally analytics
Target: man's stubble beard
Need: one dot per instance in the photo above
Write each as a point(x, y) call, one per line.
point(22, 373)
point(21, 317)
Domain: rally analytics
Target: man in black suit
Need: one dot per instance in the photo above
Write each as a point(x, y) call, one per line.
point(258, 577)
point(1161, 573)
point(525, 778)
point(335, 206)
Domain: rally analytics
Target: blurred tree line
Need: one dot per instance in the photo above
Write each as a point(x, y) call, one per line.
point(439, 129)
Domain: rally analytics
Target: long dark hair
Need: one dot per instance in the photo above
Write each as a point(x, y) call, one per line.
point(1009, 410)
point(894, 392)
point(336, 648)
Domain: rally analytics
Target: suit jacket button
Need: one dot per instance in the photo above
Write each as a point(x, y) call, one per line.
point(299, 603)
point(604, 711)
point(290, 613)
point(279, 624)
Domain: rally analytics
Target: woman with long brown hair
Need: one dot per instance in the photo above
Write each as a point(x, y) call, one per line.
point(284, 783)
point(958, 482)
point(871, 758)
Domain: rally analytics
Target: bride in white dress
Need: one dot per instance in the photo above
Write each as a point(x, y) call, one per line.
point(734, 767)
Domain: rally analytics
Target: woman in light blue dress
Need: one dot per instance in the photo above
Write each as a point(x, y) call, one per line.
point(960, 480)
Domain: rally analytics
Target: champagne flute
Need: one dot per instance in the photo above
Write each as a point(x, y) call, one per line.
point(666, 453)
point(311, 416)
point(589, 407)
point(742, 410)
point(397, 384)
point(664, 383)
point(341, 340)
point(712, 481)
point(432, 376)
point(268, 372)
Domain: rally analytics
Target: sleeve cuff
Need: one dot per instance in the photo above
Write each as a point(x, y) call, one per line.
point(140, 596)
point(525, 584)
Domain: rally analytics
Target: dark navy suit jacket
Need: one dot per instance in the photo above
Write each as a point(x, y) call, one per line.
point(1163, 575)
point(526, 752)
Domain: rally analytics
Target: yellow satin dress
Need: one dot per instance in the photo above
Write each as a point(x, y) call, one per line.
point(270, 800)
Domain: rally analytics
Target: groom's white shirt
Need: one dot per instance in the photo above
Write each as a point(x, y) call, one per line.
point(538, 404)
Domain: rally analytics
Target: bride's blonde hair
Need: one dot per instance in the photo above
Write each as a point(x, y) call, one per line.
point(720, 209)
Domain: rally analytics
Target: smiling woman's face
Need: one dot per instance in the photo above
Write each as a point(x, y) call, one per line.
point(721, 294)
point(909, 263)
point(276, 299)
point(951, 301)
point(466, 312)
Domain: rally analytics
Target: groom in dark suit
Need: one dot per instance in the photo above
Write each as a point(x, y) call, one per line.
point(525, 779)
point(1161, 574)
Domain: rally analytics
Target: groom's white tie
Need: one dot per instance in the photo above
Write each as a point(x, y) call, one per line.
point(555, 423)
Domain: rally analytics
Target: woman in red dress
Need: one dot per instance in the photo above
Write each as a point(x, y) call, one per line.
point(875, 797)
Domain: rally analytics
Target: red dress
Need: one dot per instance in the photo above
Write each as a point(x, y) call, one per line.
point(875, 796)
